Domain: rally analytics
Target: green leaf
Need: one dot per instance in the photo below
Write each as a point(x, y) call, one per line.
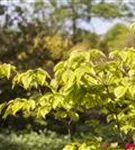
point(59, 66)
point(26, 81)
point(7, 112)
point(68, 79)
point(120, 91)
point(61, 114)
point(94, 53)
point(81, 71)
point(32, 104)
point(73, 115)
point(69, 147)
point(40, 78)
point(43, 72)
point(31, 78)
point(57, 101)
point(131, 72)
point(42, 112)
point(5, 70)
point(132, 90)
point(54, 84)
point(17, 106)
point(66, 76)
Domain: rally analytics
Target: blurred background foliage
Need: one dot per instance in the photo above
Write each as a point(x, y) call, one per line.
point(40, 33)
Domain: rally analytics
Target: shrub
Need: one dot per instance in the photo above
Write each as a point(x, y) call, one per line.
point(46, 140)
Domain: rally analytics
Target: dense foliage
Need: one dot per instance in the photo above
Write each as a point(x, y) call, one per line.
point(86, 81)
point(88, 95)
point(11, 140)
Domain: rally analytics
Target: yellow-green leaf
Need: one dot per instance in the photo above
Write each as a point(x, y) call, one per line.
point(120, 91)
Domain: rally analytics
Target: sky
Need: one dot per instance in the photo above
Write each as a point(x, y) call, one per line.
point(99, 26)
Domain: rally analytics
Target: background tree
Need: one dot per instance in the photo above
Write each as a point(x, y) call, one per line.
point(40, 34)
point(40, 19)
